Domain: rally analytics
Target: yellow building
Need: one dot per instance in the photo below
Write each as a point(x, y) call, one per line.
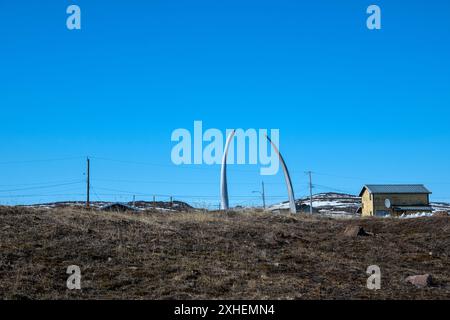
point(394, 199)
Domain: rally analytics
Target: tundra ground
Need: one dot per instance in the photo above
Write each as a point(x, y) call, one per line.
point(216, 255)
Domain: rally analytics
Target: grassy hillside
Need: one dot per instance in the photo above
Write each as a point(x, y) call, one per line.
point(216, 255)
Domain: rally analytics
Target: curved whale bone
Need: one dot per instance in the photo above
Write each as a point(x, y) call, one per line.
point(224, 204)
point(287, 178)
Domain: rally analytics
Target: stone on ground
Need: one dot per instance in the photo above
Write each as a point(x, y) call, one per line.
point(421, 281)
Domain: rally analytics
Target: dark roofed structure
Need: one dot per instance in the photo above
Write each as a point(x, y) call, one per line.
point(395, 189)
point(394, 199)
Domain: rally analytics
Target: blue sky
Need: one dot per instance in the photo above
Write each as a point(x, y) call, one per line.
point(354, 106)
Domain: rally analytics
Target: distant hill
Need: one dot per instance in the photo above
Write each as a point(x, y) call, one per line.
point(330, 203)
point(139, 205)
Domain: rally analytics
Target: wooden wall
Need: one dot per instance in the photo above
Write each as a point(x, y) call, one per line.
point(370, 206)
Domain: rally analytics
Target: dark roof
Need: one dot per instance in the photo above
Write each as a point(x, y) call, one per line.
point(395, 188)
point(116, 206)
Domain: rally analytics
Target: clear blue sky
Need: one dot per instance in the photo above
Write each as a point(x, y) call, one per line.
point(354, 106)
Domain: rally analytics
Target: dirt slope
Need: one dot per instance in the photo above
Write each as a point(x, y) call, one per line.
point(224, 256)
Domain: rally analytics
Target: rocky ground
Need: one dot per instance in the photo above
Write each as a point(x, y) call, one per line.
point(196, 255)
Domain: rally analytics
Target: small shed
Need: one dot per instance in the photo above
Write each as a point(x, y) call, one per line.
point(394, 199)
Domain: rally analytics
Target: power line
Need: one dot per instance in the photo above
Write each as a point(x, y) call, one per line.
point(95, 193)
point(338, 176)
point(38, 183)
point(174, 166)
point(184, 166)
point(41, 195)
point(182, 182)
point(56, 184)
point(332, 189)
point(124, 192)
point(38, 160)
point(42, 187)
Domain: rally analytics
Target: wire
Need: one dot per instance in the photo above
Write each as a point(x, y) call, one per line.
point(331, 188)
point(42, 187)
point(38, 183)
point(337, 176)
point(42, 195)
point(95, 193)
point(184, 182)
point(124, 192)
point(172, 166)
point(39, 160)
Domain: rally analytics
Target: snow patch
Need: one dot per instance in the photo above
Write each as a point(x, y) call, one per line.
point(416, 215)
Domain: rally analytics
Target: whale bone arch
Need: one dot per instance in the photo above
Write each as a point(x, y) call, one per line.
point(224, 204)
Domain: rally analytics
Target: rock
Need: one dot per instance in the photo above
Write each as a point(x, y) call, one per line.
point(421, 281)
point(354, 231)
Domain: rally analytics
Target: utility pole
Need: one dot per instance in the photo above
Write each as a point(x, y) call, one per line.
point(87, 183)
point(263, 196)
point(134, 201)
point(310, 193)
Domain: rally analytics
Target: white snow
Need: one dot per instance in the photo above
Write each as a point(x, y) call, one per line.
point(416, 215)
point(332, 203)
point(440, 206)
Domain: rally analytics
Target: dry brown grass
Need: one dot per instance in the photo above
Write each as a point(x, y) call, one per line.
point(216, 256)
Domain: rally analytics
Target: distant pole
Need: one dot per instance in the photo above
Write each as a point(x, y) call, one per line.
point(310, 193)
point(154, 201)
point(87, 183)
point(263, 196)
point(171, 202)
point(134, 200)
point(262, 193)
